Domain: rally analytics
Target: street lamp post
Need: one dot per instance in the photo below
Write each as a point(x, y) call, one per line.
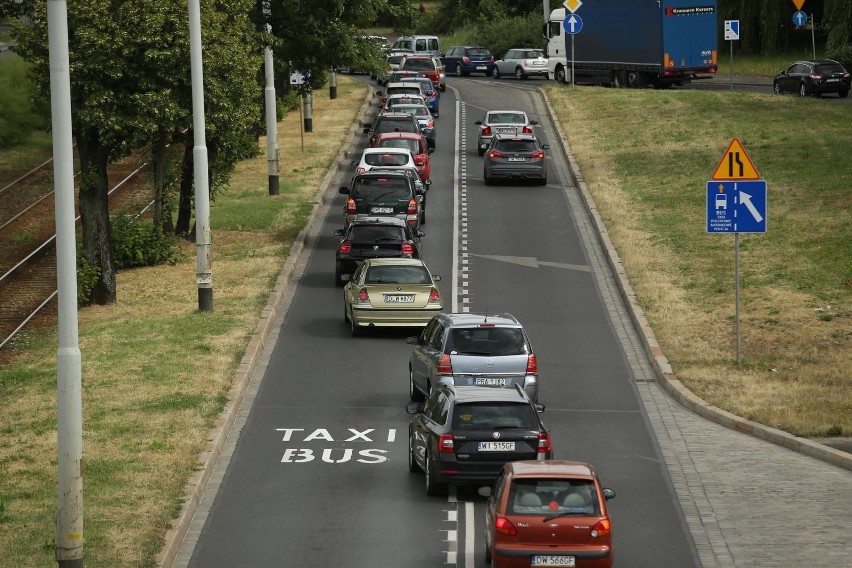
point(272, 158)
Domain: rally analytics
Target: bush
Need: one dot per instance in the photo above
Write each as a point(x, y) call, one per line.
point(87, 277)
point(503, 34)
point(135, 242)
point(843, 55)
point(19, 116)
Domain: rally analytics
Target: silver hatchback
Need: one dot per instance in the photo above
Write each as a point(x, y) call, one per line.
point(490, 350)
point(521, 63)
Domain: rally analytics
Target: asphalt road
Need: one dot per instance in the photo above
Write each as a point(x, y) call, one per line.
point(319, 474)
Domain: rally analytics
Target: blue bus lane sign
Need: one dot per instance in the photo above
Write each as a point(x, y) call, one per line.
point(736, 206)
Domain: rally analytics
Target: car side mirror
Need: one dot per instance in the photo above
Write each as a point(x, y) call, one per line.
point(545, 146)
point(414, 408)
point(367, 130)
point(484, 491)
point(413, 340)
point(436, 277)
point(420, 234)
point(427, 183)
point(344, 190)
point(533, 122)
point(538, 407)
point(478, 122)
point(338, 232)
point(353, 163)
point(608, 493)
point(430, 150)
point(419, 163)
point(378, 93)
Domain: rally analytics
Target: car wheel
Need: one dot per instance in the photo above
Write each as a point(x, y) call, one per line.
point(776, 88)
point(412, 463)
point(488, 180)
point(337, 281)
point(345, 314)
point(843, 94)
point(480, 151)
point(423, 216)
point(489, 72)
point(519, 74)
point(496, 73)
point(542, 181)
point(803, 90)
point(356, 329)
point(443, 87)
point(432, 486)
point(458, 71)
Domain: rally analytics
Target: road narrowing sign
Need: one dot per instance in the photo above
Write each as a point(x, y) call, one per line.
point(735, 164)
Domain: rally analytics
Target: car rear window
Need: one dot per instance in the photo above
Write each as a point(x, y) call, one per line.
point(828, 68)
point(395, 59)
point(533, 54)
point(394, 124)
point(406, 143)
point(478, 51)
point(388, 159)
point(505, 118)
point(486, 341)
point(381, 187)
point(403, 91)
point(553, 496)
point(397, 275)
point(494, 416)
point(419, 64)
point(515, 146)
point(373, 233)
point(421, 111)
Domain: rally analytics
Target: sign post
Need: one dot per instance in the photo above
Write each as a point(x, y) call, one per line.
point(732, 32)
point(736, 203)
point(572, 25)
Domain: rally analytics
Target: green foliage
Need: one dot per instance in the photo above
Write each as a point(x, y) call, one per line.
point(501, 35)
point(136, 242)
point(843, 55)
point(19, 115)
point(87, 277)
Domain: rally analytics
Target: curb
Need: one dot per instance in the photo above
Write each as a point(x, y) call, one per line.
point(662, 369)
point(197, 482)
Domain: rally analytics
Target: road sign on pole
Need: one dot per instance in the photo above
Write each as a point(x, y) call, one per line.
point(736, 206)
point(800, 18)
point(735, 164)
point(799, 4)
point(572, 5)
point(573, 24)
point(732, 29)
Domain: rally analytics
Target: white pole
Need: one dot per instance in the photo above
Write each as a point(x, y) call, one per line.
point(203, 244)
point(69, 516)
point(271, 121)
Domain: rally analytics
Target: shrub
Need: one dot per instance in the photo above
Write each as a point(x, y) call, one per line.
point(19, 116)
point(136, 242)
point(843, 55)
point(87, 277)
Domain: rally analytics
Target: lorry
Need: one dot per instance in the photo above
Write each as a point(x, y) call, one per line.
point(633, 43)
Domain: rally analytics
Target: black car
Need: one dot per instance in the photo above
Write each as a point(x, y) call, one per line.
point(421, 187)
point(393, 122)
point(515, 157)
point(814, 77)
point(466, 434)
point(379, 237)
point(382, 193)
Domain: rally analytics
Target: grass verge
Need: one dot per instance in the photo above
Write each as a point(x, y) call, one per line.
point(155, 370)
point(646, 156)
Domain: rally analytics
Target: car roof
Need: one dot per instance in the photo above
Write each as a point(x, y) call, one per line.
point(548, 468)
point(507, 111)
point(410, 105)
point(460, 319)
point(395, 221)
point(403, 84)
point(518, 136)
point(386, 151)
point(463, 394)
point(383, 173)
point(412, 135)
point(397, 262)
point(394, 115)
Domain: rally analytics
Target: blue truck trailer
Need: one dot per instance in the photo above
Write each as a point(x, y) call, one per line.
point(633, 43)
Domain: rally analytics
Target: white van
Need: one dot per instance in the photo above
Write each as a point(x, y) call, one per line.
point(420, 44)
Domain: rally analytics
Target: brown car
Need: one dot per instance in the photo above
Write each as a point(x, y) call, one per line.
point(548, 513)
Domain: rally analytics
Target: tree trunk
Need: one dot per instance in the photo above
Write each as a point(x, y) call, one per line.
point(182, 227)
point(94, 215)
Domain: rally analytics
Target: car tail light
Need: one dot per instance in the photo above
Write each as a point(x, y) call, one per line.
point(527, 130)
point(412, 206)
point(491, 59)
point(350, 207)
point(602, 528)
point(445, 366)
point(360, 169)
point(345, 247)
point(543, 442)
point(537, 154)
point(845, 75)
point(532, 364)
point(504, 526)
point(466, 59)
point(445, 443)
point(364, 297)
point(407, 248)
point(434, 297)
point(486, 131)
point(430, 123)
point(384, 100)
point(815, 77)
point(494, 154)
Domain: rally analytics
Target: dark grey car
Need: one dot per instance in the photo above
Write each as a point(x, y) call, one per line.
point(472, 349)
point(518, 157)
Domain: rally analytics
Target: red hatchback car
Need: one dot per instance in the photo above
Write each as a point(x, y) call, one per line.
point(548, 513)
point(413, 142)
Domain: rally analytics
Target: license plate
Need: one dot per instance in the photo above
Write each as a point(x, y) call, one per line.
point(399, 298)
point(832, 80)
point(381, 209)
point(487, 382)
point(502, 447)
point(517, 159)
point(481, 67)
point(552, 561)
point(507, 130)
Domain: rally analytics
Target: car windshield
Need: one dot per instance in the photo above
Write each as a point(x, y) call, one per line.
point(409, 144)
point(386, 159)
point(505, 118)
point(553, 496)
point(397, 275)
point(486, 341)
point(381, 187)
point(494, 416)
point(419, 64)
point(375, 233)
point(515, 146)
point(828, 68)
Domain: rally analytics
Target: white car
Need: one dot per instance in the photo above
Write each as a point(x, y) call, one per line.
point(521, 63)
point(384, 158)
point(402, 99)
point(502, 122)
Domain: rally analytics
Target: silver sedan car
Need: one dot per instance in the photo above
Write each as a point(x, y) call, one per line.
point(502, 122)
point(521, 63)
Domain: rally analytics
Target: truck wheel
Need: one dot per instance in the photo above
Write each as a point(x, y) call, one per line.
point(632, 80)
point(560, 75)
point(619, 79)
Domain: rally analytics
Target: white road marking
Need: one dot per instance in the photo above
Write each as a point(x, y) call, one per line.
point(468, 534)
point(455, 301)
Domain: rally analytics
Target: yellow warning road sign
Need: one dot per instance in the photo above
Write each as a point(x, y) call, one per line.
point(735, 164)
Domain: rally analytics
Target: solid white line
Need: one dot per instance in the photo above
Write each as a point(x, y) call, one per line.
point(468, 534)
point(455, 289)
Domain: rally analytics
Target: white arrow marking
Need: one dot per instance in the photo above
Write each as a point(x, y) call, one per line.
point(533, 262)
point(572, 20)
point(745, 199)
point(799, 17)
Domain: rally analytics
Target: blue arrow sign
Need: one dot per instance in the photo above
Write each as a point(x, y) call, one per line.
point(736, 206)
point(573, 24)
point(800, 18)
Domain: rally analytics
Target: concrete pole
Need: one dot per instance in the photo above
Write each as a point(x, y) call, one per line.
point(309, 112)
point(271, 121)
point(332, 85)
point(69, 516)
point(546, 7)
point(203, 244)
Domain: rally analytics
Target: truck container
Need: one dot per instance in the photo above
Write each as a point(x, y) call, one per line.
point(634, 43)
